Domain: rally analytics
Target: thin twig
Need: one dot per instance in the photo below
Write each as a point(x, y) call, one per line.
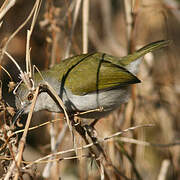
point(144, 143)
point(23, 75)
point(14, 61)
point(23, 139)
point(100, 109)
point(60, 103)
point(89, 145)
point(29, 33)
point(16, 31)
point(164, 169)
point(30, 129)
point(6, 72)
point(102, 140)
point(6, 6)
point(38, 126)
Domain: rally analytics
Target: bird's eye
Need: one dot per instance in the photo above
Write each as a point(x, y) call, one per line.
point(30, 96)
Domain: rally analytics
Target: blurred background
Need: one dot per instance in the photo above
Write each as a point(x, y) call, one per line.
point(116, 27)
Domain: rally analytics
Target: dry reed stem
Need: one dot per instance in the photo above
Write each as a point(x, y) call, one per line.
point(6, 72)
point(29, 33)
point(23, 138)
point(75, 16)
point(7, 5)
point(85, 27)
point(14, 61)
point(128, 5)
point(60, 103)
point(85, 23)
point(38, 126)
point(46, 172)
point(129, 19)
point(164, 170)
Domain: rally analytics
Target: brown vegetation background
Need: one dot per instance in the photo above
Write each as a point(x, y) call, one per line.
point(155, 101)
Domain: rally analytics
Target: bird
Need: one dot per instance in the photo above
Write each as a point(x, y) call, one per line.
point(86, 82)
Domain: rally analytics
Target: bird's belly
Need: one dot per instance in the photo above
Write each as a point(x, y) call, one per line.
point(100, 103)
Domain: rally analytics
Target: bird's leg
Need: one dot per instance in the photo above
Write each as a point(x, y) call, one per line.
point(94, 123)
point(91, 131)
point(93, 136)
point(80, 129)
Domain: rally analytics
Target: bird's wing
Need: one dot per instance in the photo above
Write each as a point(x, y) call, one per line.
point(92, 72)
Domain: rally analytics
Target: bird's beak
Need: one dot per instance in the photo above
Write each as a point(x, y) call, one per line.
point(17, 115)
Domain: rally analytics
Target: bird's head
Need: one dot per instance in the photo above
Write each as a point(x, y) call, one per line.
point(23, 97)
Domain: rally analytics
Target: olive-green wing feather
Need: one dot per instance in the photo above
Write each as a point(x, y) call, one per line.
point(91, 72)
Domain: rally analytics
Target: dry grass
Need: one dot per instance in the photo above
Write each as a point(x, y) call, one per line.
point(60, 30)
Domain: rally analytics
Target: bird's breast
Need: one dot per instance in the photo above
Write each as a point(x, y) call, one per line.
point(107, 100)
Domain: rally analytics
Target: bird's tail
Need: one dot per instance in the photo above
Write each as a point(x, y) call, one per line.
point(146, 49)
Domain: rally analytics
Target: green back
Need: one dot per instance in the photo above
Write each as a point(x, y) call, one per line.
point(87, 73)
